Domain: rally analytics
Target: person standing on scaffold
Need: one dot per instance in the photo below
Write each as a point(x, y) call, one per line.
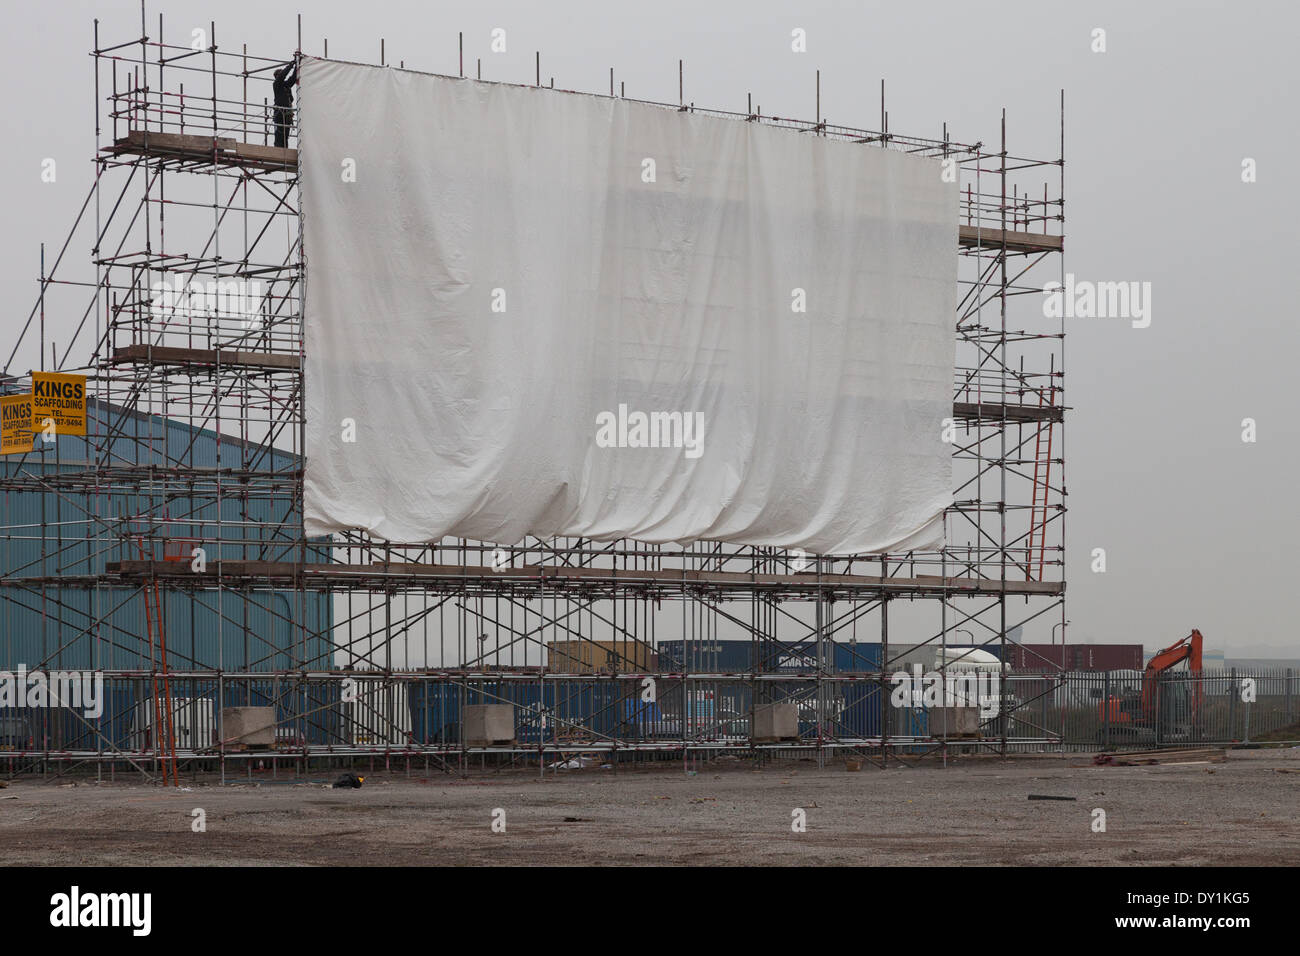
point(285, 79)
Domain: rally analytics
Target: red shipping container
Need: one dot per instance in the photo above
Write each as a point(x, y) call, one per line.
point(1076, 657)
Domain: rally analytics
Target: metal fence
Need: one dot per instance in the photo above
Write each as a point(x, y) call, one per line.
point(359, 714)
point(1120, 709)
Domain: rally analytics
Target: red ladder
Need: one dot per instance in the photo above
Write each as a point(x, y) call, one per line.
point(1042, 485)
point(165, 748)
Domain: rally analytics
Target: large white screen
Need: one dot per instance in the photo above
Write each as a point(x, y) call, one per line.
point(495, 291)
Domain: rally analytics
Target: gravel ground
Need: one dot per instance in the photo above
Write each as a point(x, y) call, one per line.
point(976, 811)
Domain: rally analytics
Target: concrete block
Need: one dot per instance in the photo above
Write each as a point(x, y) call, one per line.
point(954, 721)
point(488, 725)
point(773, 722)
point(250, 726)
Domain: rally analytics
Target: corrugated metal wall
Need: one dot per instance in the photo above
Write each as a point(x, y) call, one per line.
point(73, 628)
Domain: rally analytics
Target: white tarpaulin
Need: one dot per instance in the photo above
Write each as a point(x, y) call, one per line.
point(542, 313)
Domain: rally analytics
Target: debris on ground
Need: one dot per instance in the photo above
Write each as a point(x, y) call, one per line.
point(576, 763)
point(1170, 757)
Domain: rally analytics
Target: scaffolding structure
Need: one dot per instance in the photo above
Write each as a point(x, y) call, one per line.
point(187, 189)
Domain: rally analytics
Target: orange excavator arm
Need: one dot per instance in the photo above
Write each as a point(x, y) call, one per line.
point(1188, 649)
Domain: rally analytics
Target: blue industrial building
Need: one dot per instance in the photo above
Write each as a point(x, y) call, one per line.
point(57, 539)
point(71, 532)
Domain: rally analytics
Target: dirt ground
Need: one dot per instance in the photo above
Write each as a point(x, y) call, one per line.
point(975, 811)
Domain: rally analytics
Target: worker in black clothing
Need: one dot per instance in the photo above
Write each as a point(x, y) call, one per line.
point(285, 78)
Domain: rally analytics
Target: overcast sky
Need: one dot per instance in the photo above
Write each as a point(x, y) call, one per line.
point(1197, 524)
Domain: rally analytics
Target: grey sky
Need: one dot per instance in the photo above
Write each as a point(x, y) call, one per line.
point(1196, 523)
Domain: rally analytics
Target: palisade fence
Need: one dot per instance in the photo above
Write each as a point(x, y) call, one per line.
point(556, 715)
point(1228, 706)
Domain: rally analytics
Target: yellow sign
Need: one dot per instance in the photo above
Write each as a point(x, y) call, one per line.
point(61, 398)
point(16, 419)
